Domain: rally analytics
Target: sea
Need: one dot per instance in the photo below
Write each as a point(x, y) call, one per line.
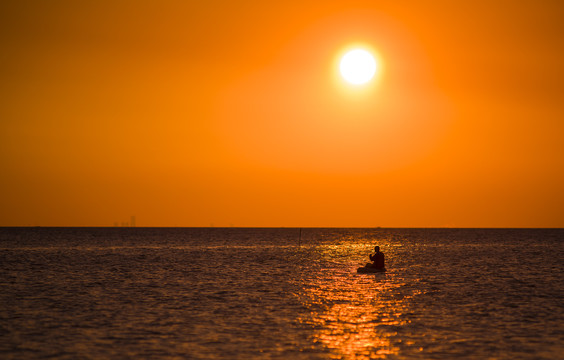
point(280, 293)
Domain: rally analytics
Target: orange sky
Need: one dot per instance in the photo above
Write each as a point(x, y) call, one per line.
point(231, 113)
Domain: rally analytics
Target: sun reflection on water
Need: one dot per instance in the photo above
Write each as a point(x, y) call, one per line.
point(354, 316)
point(353, 335)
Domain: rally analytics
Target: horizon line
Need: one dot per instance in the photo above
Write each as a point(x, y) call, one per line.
point(277, 227)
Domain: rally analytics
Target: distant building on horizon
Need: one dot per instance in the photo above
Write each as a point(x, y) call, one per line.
point(131, 223)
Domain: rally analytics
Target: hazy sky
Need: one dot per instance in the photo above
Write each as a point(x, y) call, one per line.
point(192, 113)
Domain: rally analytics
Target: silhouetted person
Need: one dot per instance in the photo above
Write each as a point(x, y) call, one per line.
point(378, 259)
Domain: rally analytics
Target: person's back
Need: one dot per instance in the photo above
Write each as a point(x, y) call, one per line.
point(379, 260)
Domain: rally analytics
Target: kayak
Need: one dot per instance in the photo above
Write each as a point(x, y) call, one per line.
point(369, 270)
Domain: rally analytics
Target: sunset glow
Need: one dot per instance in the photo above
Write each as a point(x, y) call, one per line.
point(196, 113)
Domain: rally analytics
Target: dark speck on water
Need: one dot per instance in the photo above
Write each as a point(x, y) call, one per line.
point(230, 293)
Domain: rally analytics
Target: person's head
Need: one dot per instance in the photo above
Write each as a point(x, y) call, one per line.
point(376, 248)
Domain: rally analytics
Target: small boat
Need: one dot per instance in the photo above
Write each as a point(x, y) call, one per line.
point(369, 270)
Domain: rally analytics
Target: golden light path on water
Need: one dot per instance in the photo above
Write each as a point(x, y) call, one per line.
point(355, 316)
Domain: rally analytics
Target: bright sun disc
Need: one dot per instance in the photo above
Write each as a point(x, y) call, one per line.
point(358, 66)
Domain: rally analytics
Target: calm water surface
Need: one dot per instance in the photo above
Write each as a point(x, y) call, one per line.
point(157, 293)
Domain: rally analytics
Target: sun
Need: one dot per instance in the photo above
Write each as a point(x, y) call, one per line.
point(358, 66)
